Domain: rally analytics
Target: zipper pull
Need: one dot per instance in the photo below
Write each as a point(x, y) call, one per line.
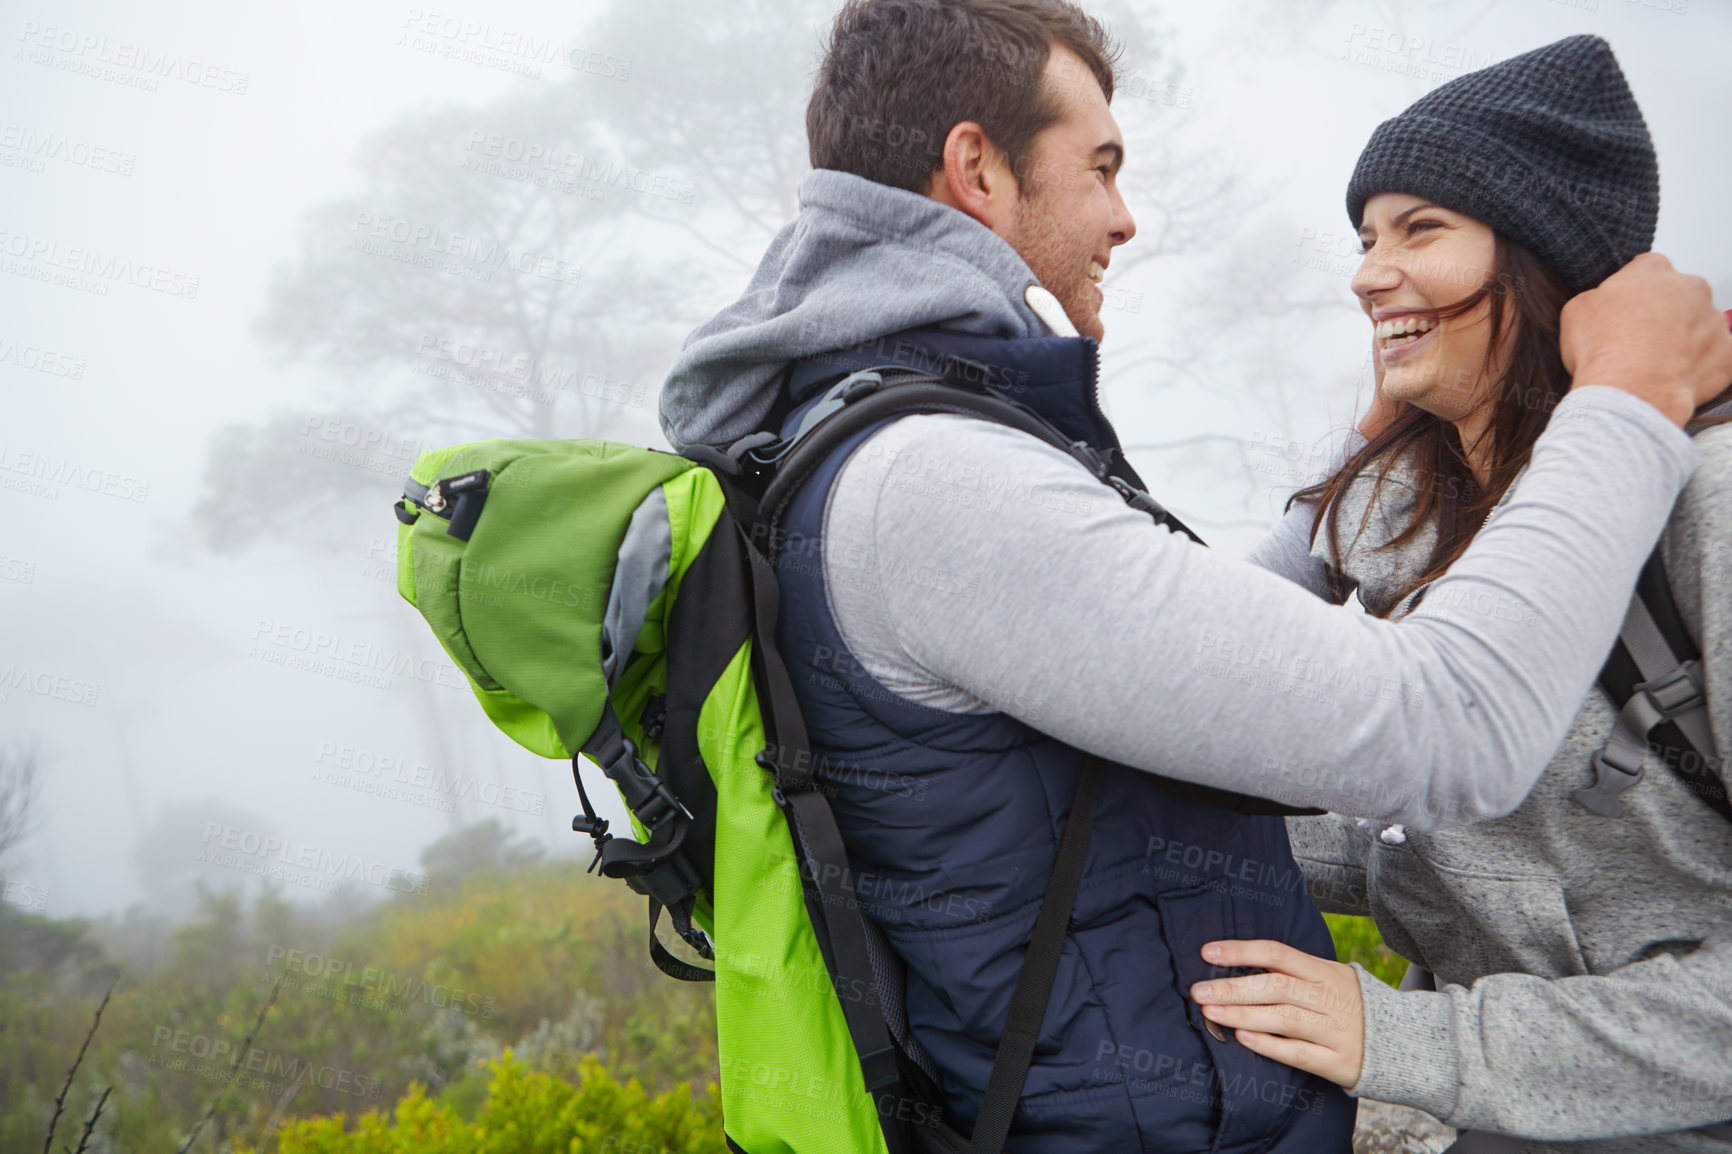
point(465, 495)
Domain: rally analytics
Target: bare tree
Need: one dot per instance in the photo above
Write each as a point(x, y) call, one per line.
point(482, 284)
point(728, 87)
point(494, 276)
point(20, 775)
point(481, 243)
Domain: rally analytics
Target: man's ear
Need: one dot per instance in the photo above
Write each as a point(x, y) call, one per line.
point(976, 178)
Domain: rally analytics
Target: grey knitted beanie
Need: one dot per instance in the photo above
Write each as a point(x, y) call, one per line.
point(1548, 148)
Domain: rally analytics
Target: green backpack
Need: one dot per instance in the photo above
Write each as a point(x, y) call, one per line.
point(620, 603)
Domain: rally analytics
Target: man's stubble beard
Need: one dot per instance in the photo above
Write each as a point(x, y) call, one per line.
point(1044, 246)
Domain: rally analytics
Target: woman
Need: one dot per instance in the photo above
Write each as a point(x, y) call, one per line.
point(1585, 961)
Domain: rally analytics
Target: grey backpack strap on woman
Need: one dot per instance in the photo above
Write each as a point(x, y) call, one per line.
point(1654, 677)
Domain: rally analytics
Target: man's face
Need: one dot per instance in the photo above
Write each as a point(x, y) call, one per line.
point(1069, 214)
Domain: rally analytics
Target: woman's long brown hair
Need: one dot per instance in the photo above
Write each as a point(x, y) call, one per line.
point(1527, 298)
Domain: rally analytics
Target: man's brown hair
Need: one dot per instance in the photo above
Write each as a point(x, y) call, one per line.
point(898, 75)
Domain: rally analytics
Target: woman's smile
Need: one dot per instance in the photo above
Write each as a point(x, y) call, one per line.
point(1402, 337)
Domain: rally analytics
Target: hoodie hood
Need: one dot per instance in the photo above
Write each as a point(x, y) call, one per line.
point(861, 261)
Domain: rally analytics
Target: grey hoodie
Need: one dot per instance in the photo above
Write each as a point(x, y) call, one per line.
point(861, 261)
point(973, 568)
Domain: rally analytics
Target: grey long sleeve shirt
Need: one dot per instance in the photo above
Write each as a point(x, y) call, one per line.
point(973, 569)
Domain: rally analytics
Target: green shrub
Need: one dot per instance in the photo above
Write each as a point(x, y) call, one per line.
point(526, 1112)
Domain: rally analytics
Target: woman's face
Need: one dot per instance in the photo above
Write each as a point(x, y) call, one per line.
point(1420, 258)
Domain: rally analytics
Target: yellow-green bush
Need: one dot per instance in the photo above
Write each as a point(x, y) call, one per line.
point(526, 1112)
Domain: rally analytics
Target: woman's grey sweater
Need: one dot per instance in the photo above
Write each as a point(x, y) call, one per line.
point(1584, 962)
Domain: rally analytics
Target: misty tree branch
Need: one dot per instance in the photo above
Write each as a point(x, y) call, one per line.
point(90, 1123)
point(709, 170)
point(60, 1102)
point(1205, 439)
point(687, 225)
point(19, 773)
point(268, 1129)
point(246, 1048)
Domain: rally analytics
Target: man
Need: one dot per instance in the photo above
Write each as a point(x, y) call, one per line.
point(985, 616)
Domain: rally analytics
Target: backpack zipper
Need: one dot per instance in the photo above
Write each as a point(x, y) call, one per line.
point(455, 499)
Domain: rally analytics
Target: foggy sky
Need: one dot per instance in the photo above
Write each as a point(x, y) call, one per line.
point(170, 669)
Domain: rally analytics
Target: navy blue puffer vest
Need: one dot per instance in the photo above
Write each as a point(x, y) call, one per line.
point(952, 823)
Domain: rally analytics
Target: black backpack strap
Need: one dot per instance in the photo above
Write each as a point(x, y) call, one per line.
point(833, 907)
point(681, 916)
point(1039, 968)
point(824, 866)
point(867, 397)
point(1654, 677)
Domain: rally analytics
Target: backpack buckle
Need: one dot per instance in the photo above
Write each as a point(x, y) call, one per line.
point(646, 795)
point(1669, 695)
point(1612, 776)
point(648, 798)
point(1663, 698)
point(1138, 500)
